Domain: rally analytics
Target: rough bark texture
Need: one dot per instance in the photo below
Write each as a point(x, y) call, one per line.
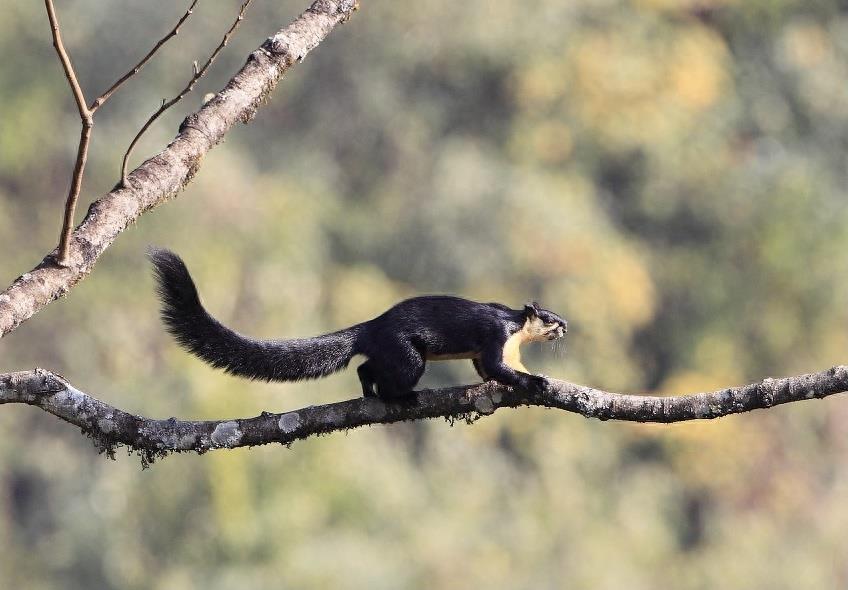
point(111, 427)
point(165, 174)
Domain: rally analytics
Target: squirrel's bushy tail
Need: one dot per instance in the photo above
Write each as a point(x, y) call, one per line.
point(271, 360)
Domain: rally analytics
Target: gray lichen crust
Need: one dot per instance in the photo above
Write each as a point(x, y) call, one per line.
point(289, 422)
point(226, 435)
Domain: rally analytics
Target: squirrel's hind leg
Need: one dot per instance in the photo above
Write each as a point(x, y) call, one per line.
point(367, 379)
point(396, 371)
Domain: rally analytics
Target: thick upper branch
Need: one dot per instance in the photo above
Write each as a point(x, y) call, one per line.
point(111, 427)
point(165, 174)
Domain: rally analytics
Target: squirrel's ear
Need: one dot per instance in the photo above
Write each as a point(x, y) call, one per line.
point(530, 310)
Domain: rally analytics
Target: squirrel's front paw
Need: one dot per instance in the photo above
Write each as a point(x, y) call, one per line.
point(537, 384)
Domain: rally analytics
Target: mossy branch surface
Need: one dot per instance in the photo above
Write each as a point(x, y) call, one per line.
point(111, 427)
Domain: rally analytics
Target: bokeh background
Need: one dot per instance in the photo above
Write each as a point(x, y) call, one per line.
point(668, 175)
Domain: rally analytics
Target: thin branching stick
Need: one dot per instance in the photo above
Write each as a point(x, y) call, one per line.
point(98, 102)
point(65, 59)
point(111, 427)
point(87, 117)
point(166, 174)
point(197, 75)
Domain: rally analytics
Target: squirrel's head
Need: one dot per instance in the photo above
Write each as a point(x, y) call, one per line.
point(542, 325)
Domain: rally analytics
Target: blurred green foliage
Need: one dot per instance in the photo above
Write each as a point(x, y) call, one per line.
point(667, 174)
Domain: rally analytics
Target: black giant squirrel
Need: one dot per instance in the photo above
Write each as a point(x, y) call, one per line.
point(396, 344)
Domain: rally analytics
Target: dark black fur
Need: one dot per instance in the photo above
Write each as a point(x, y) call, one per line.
point(396, 343)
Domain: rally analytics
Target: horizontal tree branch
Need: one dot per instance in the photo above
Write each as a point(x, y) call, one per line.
point(165, 174)
point(110, 427)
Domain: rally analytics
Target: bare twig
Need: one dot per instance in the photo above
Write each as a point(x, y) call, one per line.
point(165, 174)
point(87, 118)
point(85, 134)
point(65, 59)
point(196, 75)
point(76, 187)
point(111, 427)
point(98, 102)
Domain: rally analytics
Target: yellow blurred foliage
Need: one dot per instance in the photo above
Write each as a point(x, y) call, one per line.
point(806, 44)
point(697, 72)
point(232, 498)
point(629, 287)
point(639, 88)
